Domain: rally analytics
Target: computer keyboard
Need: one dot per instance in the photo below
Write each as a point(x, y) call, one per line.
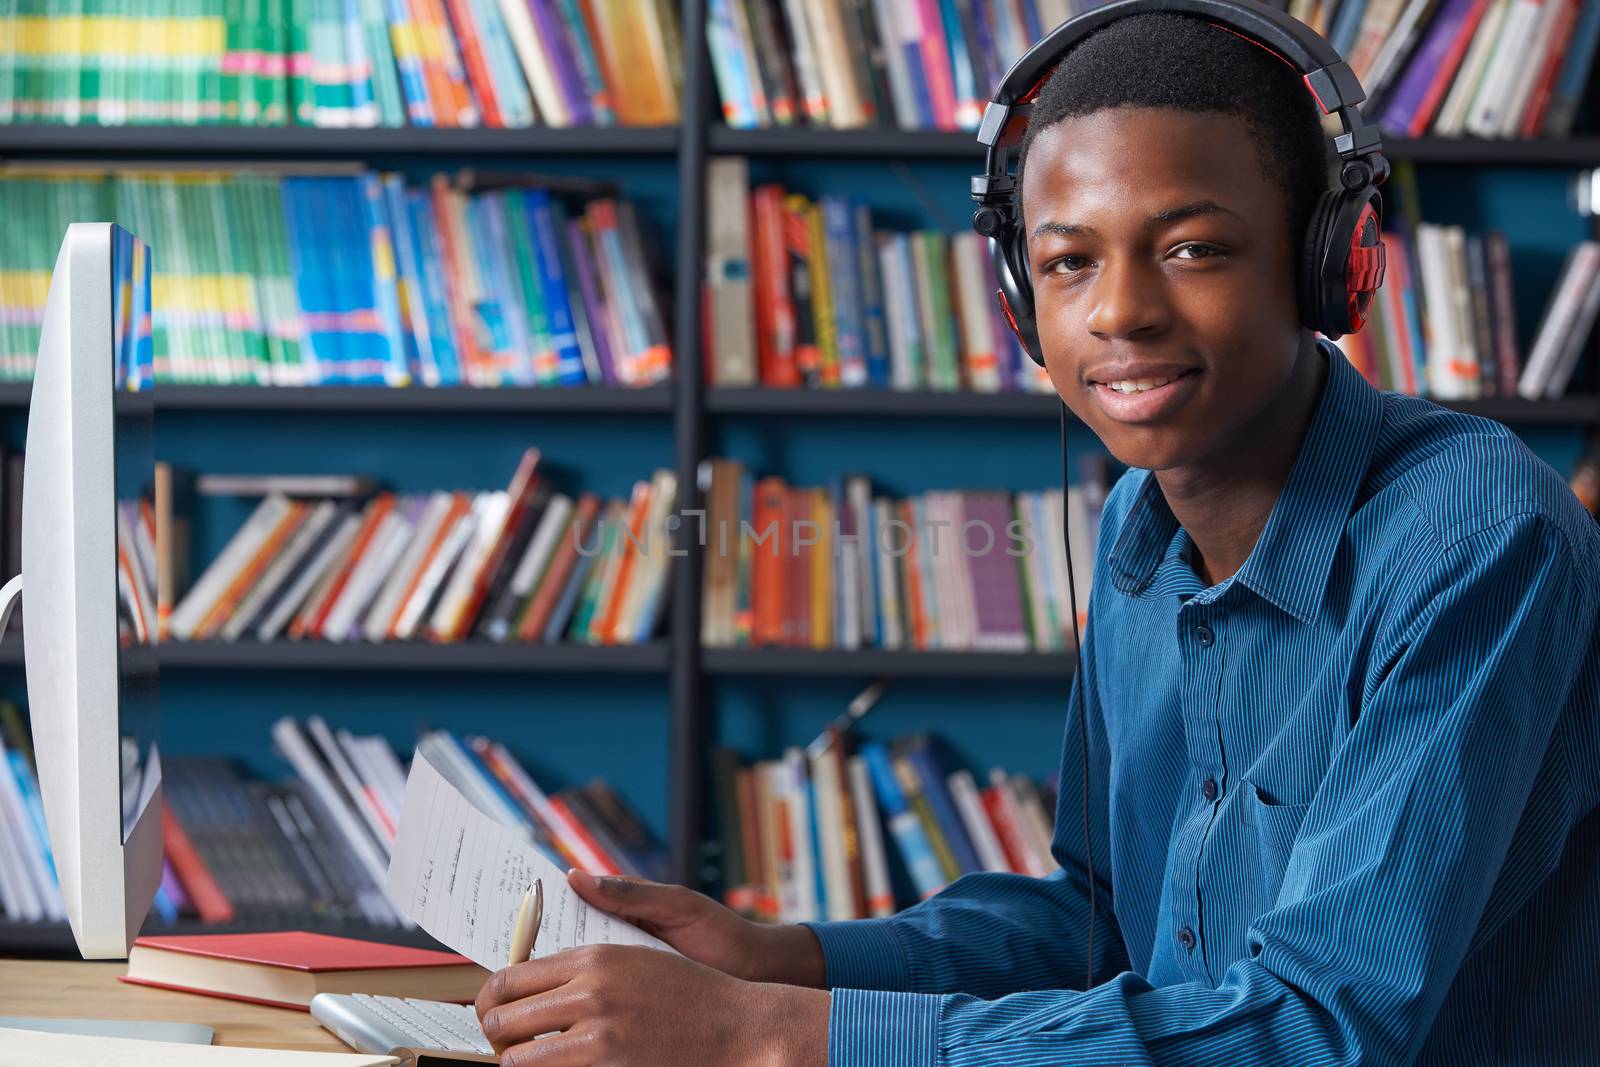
point(378, 1024)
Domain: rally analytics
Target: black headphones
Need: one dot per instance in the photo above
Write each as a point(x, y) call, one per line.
point(1342, 259)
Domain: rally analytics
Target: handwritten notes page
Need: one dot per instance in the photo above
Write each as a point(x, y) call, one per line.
point(460, 875)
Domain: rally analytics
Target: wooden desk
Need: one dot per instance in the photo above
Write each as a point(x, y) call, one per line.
point(78, 990)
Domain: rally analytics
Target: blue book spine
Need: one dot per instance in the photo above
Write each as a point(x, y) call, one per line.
point(415, 334)
point(569, 596)
point(909, 837)
point(386, 283)
point(621, 294)
point(28, 786)
point(819, 876)
point(838, 234)
point(412, 82)
point(1567, 94)
point(357, 291)
point(319, 350)
point(494, 243)
point(966, 82)
point(875, 326)
point(553, 281)
point(1346, 24)
point(943, 806)
point(363, 104)
point(563, 65)
point(583, 53)
point(1030, 18)
point(430, 267)
point(510, 90)
point(722, 41)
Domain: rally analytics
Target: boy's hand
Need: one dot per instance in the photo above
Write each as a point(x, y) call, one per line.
point(622, 1005)
point(707, 932)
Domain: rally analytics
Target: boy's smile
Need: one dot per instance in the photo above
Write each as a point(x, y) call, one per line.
point(1164, 282)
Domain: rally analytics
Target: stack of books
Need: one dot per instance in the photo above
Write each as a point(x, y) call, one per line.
point(1444, 323)
point(362, 63)
point(842, 566)
point(847, 831)
point(312, 850)
point(526, 564)
point(1488, 68)
point(806, 292)
point(283, 278)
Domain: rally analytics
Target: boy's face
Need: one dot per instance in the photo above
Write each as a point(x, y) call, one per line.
point(1203, 300)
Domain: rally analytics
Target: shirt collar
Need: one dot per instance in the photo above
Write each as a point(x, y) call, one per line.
point(1290, 562)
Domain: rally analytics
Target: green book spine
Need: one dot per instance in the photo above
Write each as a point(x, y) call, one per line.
point(9, 20)
point(32, 33)
point(245, 276)
point(302, 93)
point(272, 80)
point(80, 63)
point(247, 194)
point(543, 355)
point(385, 75)
point(945, 371)
point(285, 296)
point(12, 307)
point(210, 29)
point(203, 230)
point(590, 598)
point(231, 74)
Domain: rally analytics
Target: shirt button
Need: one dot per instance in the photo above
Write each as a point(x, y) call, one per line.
point(1204, 634)
point(1186, 939)
point(1209, 789)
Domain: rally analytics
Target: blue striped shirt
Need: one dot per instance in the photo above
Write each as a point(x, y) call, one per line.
point(1344, 805)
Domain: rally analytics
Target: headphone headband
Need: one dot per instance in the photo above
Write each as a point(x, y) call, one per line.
point(1327, 77)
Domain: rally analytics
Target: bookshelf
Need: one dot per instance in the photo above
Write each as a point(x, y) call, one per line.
point(710, 695)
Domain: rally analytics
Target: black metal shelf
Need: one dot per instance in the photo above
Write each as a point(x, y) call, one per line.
point(869, 662)
point(580, 400)
point(940, 144)
point(405, 656)
point(1567, 410)
point(301, 142)
point(51, 940)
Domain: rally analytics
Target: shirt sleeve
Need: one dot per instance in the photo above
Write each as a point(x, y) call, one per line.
point(1420, 842)
point(992, 934)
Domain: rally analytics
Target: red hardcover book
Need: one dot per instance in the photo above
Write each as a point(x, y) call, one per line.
point(376, 513)
point(767, 570)
point(1010, 835)
point(204, 892)
point(1433, 99)
point(288, 968)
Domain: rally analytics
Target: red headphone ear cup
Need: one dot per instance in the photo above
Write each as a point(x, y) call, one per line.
point(1364, 266)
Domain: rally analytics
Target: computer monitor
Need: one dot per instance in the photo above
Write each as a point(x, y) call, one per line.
point(89, 586)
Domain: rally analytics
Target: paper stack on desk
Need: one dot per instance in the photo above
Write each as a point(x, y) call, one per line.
point(460, 875)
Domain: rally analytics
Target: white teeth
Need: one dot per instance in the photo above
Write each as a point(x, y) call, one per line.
point(1138, 385)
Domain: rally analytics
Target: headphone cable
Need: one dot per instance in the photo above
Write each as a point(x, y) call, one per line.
point(1083, 716)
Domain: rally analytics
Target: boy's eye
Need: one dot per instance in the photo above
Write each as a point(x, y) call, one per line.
point(1203, 251)
point(1065, 265)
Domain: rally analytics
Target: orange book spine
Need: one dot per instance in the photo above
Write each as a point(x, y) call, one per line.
point(369, 528)
point(460, 504)
point(198, 881)
point(595, 859)
point(455, 281)
point(524, 484)
point(632, 545)
point(536, 615)
point(913, 578)
point(473, 59)
point(230, 600)
point(766, 562)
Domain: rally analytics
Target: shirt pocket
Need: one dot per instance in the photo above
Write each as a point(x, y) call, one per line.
point(1273, 827)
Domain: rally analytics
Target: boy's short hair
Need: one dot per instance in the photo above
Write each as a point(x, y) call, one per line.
point(1167, 59)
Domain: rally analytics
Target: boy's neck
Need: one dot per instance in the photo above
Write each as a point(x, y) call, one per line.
point(1224, 501)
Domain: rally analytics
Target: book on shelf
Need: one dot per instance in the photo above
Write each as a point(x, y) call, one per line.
point(846, 566)
point(1444, 323)
point(1484, 68)
point(288, 276)
point(528, 563)
point(838, 304)
point(502, 64)
point(312, 849)
point(852, 828)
